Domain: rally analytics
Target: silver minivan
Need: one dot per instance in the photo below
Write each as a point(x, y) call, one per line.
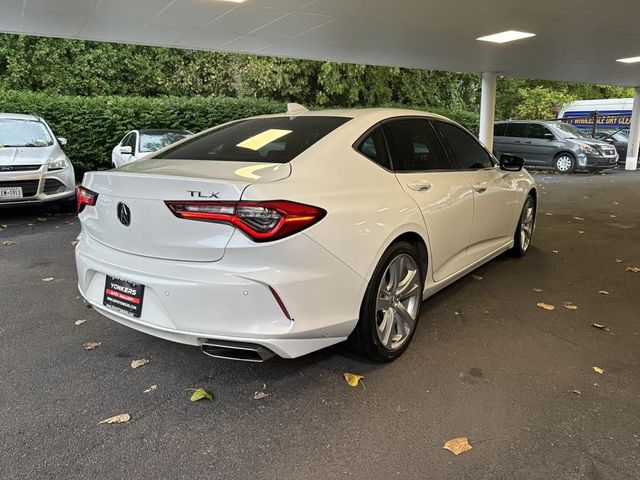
point(549, 144)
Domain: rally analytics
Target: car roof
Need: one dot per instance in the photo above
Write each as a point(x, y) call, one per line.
point(372, 114)
point(20, 116)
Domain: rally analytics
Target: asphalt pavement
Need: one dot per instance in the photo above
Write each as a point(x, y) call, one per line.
point(486, 363)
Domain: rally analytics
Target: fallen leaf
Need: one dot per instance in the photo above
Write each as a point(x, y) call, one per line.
point(612, 216)
point(618, 260)
point(77, 323)
point(539, 290)
point(139, 363)
point(201, 394)
point(74, 243)
point(603, 292)
point(577, 392)
point(122, 418)
point(477, 277)
point(633, 269)
point(555, 251)
point(458, 445)
point(598, 370)
point(48, 279)
point(91, 345)
point(353, 379)
point(570, 306)
point(577, 218)
point(581, 231)
point(546, 306)
point(549, 213)
point(7, 243)
point(4, 226)
point(151, 389)
point(601, 327)
point(260, 395)
point(41, 219)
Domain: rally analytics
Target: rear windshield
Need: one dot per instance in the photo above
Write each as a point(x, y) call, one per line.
point(269, 140)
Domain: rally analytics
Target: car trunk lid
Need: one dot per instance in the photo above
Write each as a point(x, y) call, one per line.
point(151, 229)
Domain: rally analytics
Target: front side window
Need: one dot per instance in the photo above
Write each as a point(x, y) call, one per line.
point(24, 133)
point(151, 142)
point(464, 150)
point(268, 140)
point(374, 147)
point(415, 146)
point(539, 131)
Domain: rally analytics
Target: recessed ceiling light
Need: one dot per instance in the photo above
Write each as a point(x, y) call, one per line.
point(629, 60)
point(508, 36)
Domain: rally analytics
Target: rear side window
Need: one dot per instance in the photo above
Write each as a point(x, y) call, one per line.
point(415, 146)
point(499, 129)
point(516, 130)
point(269, 140)
point(374, 147)
point(462, 147)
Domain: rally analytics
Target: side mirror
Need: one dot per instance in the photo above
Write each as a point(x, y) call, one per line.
point(511, 163)
point(549, 136)
point(609, 140)
point(62, 141)
point(126, 150)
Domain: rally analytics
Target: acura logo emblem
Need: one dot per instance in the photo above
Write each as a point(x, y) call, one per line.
point(124, 214)
point(6, 168)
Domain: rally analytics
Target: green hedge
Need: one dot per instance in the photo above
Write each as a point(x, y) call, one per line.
point(94, 125)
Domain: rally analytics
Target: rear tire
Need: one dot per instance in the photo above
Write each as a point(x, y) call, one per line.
point(391, 306)
point(564, 163)
point(524, 230)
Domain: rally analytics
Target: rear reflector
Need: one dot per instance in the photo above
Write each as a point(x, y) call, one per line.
point(86, 197)
point(261, 221)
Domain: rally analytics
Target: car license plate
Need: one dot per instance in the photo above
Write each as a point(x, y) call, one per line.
point(123, 296)
point(10, 192)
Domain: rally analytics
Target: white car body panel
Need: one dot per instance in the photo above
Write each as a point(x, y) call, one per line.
point(210, 281)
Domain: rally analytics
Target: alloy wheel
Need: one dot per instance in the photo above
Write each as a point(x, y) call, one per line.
point(526, 225)
point(398, 301)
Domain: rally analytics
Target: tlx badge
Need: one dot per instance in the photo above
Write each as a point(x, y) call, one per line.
point(199, 194)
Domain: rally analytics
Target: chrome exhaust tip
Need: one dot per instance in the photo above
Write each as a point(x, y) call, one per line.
point(244, 352)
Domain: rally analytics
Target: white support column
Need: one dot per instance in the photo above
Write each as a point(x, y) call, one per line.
point(487, 109)
point(634, 134)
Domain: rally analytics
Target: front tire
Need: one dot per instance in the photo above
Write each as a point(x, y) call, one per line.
point(391, 305)
point(564, 163)
point(524, 231)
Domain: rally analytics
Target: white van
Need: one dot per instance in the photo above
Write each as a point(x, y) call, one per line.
point(612, 114)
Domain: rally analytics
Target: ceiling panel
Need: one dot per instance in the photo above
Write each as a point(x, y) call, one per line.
point(577, 40)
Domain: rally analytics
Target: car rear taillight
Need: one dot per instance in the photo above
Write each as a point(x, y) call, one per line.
point(86, 197)
point(261, 221)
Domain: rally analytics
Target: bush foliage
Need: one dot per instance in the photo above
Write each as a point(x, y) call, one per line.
point(94, 125)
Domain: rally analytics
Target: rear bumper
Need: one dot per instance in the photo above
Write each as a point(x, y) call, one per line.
point(232, 299)
point(40, 186)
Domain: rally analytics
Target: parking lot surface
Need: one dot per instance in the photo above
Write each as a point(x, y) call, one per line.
point(486, 363)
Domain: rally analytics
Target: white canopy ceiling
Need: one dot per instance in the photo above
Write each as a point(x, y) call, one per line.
point(576, 40)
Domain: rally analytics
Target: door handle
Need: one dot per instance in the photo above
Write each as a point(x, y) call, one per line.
point(528, 141)
point(420, 186)
point(480, 188)
point(517, 141)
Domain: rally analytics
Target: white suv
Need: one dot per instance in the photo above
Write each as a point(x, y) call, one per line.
point(33, 167)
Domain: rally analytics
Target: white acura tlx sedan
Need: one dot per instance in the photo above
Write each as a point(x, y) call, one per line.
point(284, 234)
